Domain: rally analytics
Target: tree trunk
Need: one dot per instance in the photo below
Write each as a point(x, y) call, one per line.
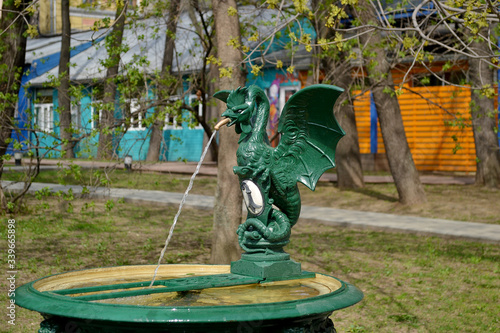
point(211, 111)
point(348, 157)
point(12, 58)
point(403, 168)
point(228, 199)
point(338, 72)
point(63, 97)
point(164, 91)
point(483, 119)
point(113, 45)
point(155, 139)
point(206, 79)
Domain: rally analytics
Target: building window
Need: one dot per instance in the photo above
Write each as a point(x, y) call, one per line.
point(44, 116)
point(171, 119)
point(94, 118)
point(196, 104)
point(171, 122)
point(135, 116)
point(43, 107)
point(75, 113)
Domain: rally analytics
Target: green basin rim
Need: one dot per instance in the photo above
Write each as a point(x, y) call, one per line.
point(49, 303)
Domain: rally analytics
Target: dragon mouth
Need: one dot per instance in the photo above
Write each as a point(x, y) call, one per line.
point(231, 119)
point(231, 122)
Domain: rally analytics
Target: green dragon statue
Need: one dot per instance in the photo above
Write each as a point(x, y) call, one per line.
point(268, 176)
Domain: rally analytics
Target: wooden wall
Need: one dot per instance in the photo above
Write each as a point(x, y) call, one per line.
point(435, 144)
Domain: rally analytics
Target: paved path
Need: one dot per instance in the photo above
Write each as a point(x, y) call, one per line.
point(331, 216)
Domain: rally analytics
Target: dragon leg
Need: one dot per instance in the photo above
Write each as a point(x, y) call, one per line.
point(278, 230)
point(251, 230)
point(252, 226)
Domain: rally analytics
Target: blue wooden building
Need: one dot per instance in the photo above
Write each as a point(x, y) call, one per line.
point(145, 40)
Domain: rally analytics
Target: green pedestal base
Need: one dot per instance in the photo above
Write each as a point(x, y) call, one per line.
point(272, 267)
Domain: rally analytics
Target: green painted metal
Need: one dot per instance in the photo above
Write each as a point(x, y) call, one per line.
point(312, 324)
point(170, 285)
point(263, 266)
point(269, 176)
point(58, 305)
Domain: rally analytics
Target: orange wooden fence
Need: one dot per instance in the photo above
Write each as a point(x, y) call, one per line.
point(435, 145)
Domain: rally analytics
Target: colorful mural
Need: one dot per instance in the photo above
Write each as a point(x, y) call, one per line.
point(279, 87)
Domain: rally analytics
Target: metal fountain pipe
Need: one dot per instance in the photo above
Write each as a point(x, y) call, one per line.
point(221, 123)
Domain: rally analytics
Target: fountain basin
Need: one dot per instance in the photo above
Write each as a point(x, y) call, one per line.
point(70, 301)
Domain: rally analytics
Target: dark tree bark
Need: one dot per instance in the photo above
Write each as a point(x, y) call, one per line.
point(228, 199)
point(483, 119)
point(64, 100)
point(210, 111)
point(164, 90)
point(12, 58)
point(400, 159)
point(155, 139)
point(348, 157)
point(338, 71)
point(113, 44)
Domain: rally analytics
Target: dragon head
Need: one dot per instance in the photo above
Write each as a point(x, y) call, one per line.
point(239, 108)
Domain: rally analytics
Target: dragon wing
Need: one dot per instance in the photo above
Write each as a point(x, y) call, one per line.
point(309, 135)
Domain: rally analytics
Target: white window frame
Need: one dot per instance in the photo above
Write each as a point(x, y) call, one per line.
point(94, 124)
point(200, 108)
point(44, 113)
point(76, 114)
point(135, 120)
point(171, 122)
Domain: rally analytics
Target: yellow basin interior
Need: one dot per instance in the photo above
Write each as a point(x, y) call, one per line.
point(270, 292)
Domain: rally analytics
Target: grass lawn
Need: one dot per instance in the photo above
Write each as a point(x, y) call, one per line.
point(454, 202)
point(411, 283)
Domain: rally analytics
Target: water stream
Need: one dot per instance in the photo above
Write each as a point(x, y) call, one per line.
point(186, 193)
